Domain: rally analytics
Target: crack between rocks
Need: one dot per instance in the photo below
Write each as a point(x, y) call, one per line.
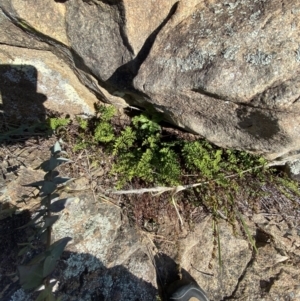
point(145, 50)
point(296, 100)
point(216, 96)
point(23, 47)
point(122, 30)
point(122, 78)
point(206, 93)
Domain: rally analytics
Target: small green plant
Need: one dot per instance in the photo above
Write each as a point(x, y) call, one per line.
point(96, 130)
point(104, 131)
point(215, 163)
point(55, 123)
point(140, 153)
point(83, 123)
point(38, 271)
point(203, 157)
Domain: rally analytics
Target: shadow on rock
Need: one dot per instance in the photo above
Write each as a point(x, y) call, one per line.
point(169, 274)
point(19, 100)
point(82, 276)
point(258, 124)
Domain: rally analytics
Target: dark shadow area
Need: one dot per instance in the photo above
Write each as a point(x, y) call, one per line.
point(124, 75)
point(258, 124)
point(169, 276)
point(10, 237)
point(262, 238)
point(81, 276)
point(20, 103)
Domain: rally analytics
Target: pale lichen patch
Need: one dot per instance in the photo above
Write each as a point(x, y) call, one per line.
point(77, 263)
point(230, 52)
point(259, 58)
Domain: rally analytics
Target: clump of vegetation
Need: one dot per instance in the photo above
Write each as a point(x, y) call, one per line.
point(54, 123)
point(104, 131)
point(38, 271)
point(216, 177)
point(141, 151)
point(209, 175)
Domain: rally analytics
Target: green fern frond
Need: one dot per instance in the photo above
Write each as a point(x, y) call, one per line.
point(54, 123)
point(144, 168)
point(201, 156)
point(146, 124)
point(106, 112)
point(168, 168)
point(83, 123)
point(124, 141)
point(104, 132)
point(152, 141)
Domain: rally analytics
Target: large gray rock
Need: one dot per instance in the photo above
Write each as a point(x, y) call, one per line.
point(225, 70)
point(229, 71)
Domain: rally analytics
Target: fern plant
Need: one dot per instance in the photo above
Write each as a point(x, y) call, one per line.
point(38, 271)
point(203, 157)
point(140, 153)
point(104, 131)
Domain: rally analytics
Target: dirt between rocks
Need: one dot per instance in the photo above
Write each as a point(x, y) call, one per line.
point(131, 247)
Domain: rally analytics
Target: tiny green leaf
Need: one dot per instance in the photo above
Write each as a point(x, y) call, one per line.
point(43, 236)
point(57, 248)
point(43, 295)
point(46, 294)
point(38, 258)
point(49, 265)
point(23, 250)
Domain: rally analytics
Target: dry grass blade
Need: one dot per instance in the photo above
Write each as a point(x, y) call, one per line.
point(176, 209)
point(90, 176)
point(252, 242)
point(175, 189)
point(159, 190)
